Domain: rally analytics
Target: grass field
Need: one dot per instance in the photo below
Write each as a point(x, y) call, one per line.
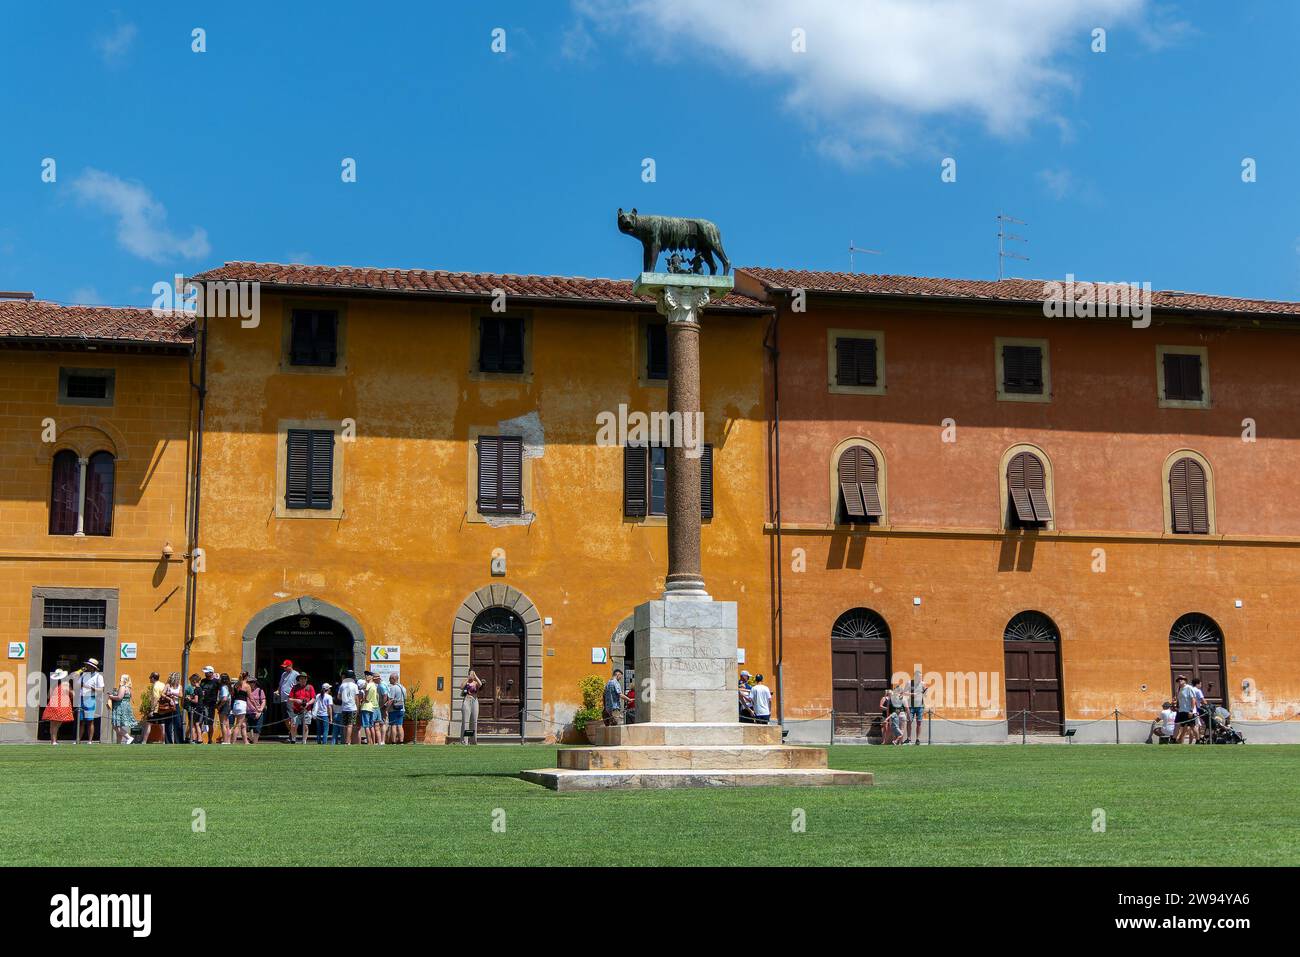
point(276, 804)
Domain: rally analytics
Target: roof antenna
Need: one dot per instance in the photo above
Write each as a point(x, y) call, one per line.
point(858, 249)
point(1003, 235)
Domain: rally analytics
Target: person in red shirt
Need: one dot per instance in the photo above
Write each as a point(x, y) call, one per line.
point(301, 698)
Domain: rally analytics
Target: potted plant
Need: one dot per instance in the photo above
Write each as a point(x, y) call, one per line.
point(419, 712)
point(590, 716)
point(147, 728)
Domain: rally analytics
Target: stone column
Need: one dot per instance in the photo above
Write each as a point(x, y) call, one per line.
point(681, 305)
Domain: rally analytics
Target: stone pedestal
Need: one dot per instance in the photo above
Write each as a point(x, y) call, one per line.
point(685, 660)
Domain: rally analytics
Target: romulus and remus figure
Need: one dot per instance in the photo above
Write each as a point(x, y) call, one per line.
point(671, 233)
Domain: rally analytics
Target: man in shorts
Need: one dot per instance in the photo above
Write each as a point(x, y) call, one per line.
point(345, 710)
point(301, 700)
point(395, 697)
point(1185, 701)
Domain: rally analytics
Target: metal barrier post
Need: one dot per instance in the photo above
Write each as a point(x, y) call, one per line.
point(1024, 730)
point(1117, 725)
point(929, 727)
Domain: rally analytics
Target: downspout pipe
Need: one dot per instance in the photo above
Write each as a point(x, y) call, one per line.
point(773, 346)
point(196, 484)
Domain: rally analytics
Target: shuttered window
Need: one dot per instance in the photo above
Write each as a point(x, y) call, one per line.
point(309, 481)
point(313, 337)
point(859, 482)
point(500, 475)
point(855, 361)
point(1022, 370)
point(1183, 377)
point(1027, 487)
point(656, 351)
point(645, 471)
point(1189, 508)
point(501, 344)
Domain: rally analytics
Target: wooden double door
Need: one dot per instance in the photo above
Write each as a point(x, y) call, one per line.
point(1200, 660)
point(1033, 670)
point(499, 661)
point(859, 678)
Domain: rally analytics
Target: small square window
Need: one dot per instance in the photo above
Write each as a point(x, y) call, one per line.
point(855, 361)
point(313, 338)
point(86, 386)
point(501, 344)
point(1023, 370)
point(1183, 380)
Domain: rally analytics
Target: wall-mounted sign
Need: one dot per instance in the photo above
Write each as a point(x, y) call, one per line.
point(385, 652)
point(128, 650)
point(599, 656)
point(740, 656)
point(385, 670)
point(17, 649)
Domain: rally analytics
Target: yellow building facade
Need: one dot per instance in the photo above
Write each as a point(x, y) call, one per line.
point(94, 439)
point(386, 557)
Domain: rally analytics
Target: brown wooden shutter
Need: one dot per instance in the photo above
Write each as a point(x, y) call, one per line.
point(706, 482)
point(868, 482)
point(1036, 485)
point(635, 480)
point(1019, 489)
point(489, 474)
point(850, 487)
point(489, 345)
point(1022, 370)
point(297, 480)
point(512, 345)
point(1189, 498)
point(322, 469)
point(512, 474)
point(846, 362)
point(656, 350)
point(1183, 377)
point(866, 361)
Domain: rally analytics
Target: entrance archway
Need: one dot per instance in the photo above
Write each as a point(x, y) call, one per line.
point(860, 668)
point(1032, 645)
point(320, 639)
point(464, 639)
point(1196, 651)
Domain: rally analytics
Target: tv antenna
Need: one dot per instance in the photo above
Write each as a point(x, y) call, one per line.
point(858, 249)
point(1004, 236)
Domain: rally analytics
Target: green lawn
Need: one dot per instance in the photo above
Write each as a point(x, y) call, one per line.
point(276, 804)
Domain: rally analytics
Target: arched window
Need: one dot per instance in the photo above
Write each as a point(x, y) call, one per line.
point(1031, 626)
point(1189, 498)
point(81, 494)
point(1027, 492)
point(858, 485)
point(65, 493)
point(860, 624)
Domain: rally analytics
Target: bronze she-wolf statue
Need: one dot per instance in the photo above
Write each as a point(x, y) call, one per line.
point(671, 233)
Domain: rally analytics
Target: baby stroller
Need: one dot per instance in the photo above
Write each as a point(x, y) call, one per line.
point(1221, 732)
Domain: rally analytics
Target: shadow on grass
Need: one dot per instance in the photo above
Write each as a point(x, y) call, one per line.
point(465, 774)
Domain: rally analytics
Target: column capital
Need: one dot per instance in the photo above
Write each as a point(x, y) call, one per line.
point(682, 296)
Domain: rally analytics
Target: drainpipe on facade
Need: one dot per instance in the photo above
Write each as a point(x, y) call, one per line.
point(774, 351)
point(191, 577)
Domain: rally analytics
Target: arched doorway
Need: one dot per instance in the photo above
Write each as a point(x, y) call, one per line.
point(1032, 644)
point(497, 656)
point(534, 654)
point(320, 639)
point(860, 669)
point(1196, 651)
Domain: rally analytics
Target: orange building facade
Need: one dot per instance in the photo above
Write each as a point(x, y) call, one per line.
point(1166, 540)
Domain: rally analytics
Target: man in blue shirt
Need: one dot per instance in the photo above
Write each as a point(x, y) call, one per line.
point(614, 699)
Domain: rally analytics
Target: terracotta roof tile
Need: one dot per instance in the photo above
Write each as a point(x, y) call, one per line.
point(1005, 290)
point(35, 319)
point(614, 292)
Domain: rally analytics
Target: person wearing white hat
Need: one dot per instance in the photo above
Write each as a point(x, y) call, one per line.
point(89, 685)
point(58, 710)
point(323, 713)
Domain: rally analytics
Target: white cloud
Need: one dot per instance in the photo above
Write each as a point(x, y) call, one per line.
point(114, 47)
point(577, 43)
point(877, 73)
point(141, 219)
point(86, 296)
point(1058, 182)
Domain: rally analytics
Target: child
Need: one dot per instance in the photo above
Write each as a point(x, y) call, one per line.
point(896, 727)
point(324, 714)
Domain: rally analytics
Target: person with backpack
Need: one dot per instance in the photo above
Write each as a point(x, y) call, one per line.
point(396, 701)
point(209, 696)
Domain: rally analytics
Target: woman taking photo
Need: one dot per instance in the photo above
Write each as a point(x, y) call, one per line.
point(469, 709)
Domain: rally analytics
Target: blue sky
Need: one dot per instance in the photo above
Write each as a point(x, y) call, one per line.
point(1126, 164)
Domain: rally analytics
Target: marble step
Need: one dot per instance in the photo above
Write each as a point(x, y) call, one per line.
point(722, 735)
point(678, 757)
point(564, 779)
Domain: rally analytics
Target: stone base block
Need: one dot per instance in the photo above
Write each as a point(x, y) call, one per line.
point(720, 734)
point(562, 779)
point(667, 757)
